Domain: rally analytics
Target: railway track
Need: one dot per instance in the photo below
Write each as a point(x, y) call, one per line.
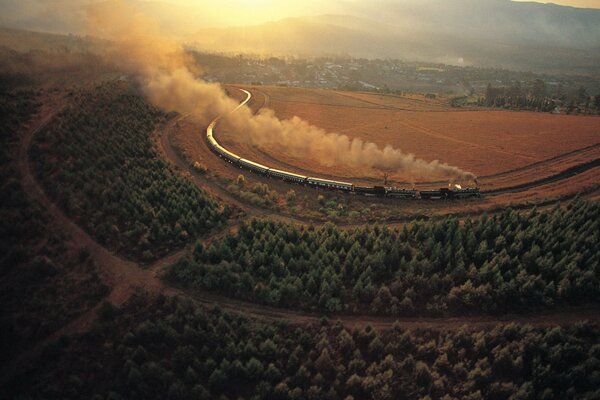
point(123, 276)
point(568, 173)
point(406, 194)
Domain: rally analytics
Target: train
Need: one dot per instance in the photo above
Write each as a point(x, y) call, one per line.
point(450, 193)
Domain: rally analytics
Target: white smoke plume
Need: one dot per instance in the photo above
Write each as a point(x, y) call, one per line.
point(166, 75)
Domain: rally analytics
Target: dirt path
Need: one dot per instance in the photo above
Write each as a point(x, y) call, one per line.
point(122, 276)
point(125, 277)
point(474, 322)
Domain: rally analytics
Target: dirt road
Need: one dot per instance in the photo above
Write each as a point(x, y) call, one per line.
point(124, 277)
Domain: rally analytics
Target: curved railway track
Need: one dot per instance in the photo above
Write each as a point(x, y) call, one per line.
point(394, 192)
point(123, 276)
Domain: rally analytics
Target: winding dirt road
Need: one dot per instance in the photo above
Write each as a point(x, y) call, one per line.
point(124, 277)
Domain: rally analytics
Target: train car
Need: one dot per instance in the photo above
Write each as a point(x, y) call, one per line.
point(329, 184)
point(287, 176)
point(209, 130)
point(229, 156)
point(432, 195)
point(368, 191)
point(464, 193)
point(253, 166)
point(212, 142)
point(447, 193)
point(401, 193)
point(379, 191)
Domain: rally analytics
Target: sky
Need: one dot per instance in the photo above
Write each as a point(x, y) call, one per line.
point(250, 12)
point(574, 3)
point(190, 15)
point(299, 5)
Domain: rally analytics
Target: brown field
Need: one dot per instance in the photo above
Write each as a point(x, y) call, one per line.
point(485, 143)
point(543, 161)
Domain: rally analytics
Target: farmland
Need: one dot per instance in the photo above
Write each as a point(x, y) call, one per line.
point(534, 169)
point(482, 142)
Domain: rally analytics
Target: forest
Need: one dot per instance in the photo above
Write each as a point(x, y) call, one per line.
point(43, 283)
point(512, 261)
point(170, 348)
point(538, 98)
point(97, 160)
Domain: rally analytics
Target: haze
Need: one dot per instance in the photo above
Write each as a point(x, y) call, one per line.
point(186, 16)
point(495, 33)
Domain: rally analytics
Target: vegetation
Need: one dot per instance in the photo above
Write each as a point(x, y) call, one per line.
point(538, 98)
point(44, 282)
point(509, 262)
point(260, 194)
point(97, 160)
point(172, 349)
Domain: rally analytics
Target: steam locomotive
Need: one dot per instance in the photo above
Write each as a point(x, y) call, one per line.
point(372, 191)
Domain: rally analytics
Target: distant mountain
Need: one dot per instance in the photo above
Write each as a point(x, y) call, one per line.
point(497, 33)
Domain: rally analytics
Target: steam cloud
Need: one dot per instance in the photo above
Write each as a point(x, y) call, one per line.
point(166, 75)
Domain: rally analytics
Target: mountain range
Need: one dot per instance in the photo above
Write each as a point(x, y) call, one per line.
point(491, 33)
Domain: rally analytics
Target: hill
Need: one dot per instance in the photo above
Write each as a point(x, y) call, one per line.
point(465, 32)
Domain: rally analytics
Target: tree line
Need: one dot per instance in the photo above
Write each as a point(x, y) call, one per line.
point(44, 284)
point(538, 98)
point(508, 262)
point(98, 161)
point(172, 349)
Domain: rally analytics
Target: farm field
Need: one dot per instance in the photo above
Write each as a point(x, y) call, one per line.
point(538, 177)
point(485, 143)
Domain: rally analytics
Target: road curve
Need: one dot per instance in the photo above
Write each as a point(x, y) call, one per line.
point(124, 276)
point(263, 312)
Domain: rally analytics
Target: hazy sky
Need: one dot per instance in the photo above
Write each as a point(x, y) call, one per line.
point(249, 12)
point(298, 5)
point(572, 3)
point(187, 16)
